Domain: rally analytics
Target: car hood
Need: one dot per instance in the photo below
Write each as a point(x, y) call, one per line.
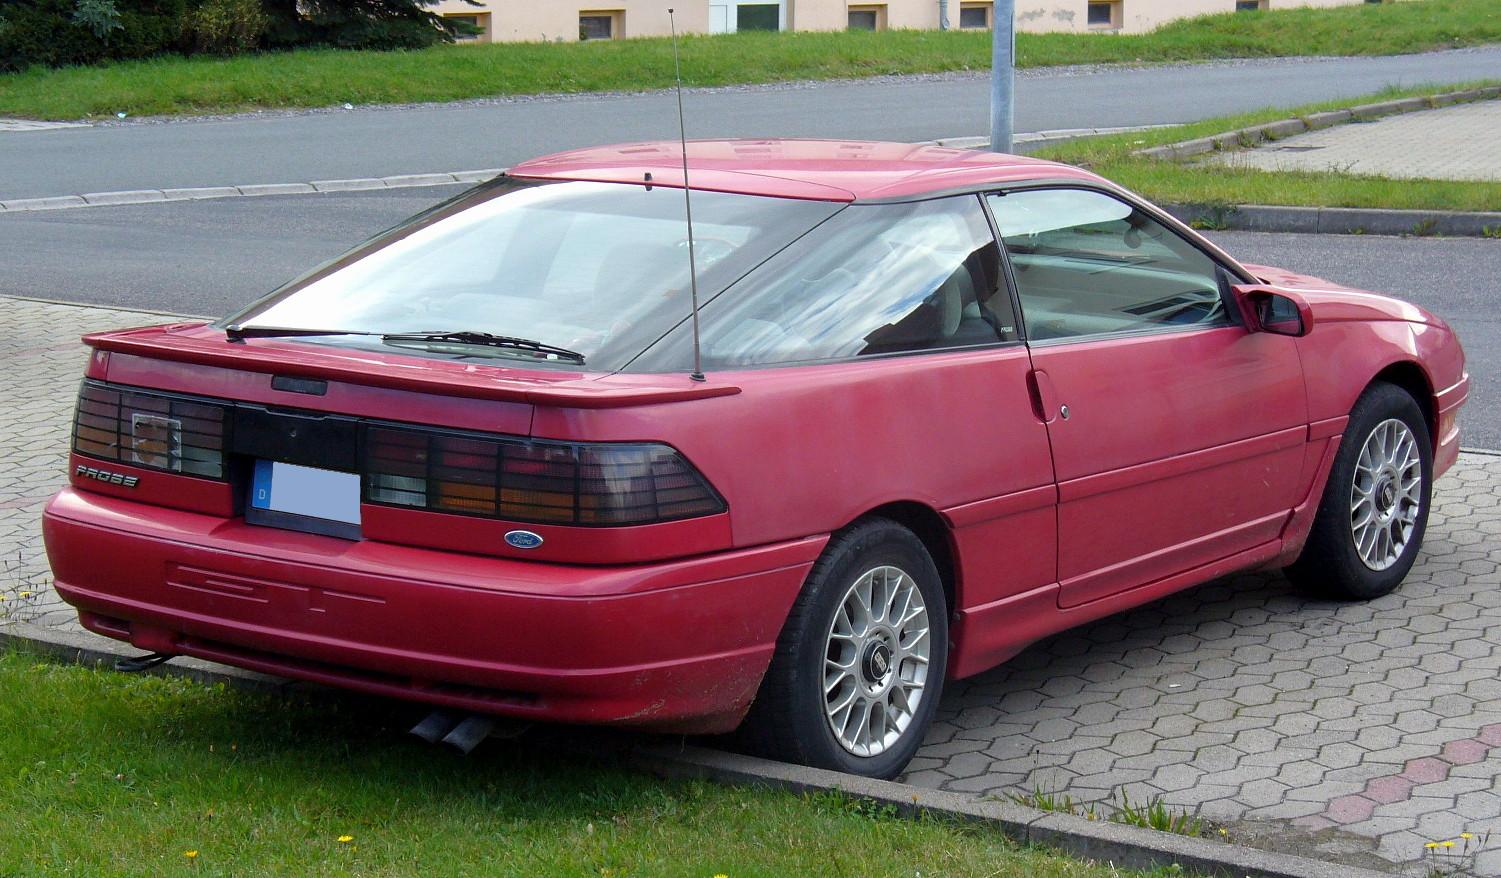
point(1333, 303)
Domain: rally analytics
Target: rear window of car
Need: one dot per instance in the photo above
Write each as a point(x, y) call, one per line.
point(597, 268)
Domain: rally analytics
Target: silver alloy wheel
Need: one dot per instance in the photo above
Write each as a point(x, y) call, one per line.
point(1387, 494)
point(876, 661)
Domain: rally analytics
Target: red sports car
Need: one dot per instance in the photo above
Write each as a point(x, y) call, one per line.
point(951, 402)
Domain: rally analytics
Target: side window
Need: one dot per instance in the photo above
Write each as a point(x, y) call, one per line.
point(874, 279)
point(1086, 263)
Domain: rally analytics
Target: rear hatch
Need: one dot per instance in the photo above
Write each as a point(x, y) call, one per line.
point(356, 444)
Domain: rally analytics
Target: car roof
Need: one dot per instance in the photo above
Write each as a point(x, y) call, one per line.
point(824, 170)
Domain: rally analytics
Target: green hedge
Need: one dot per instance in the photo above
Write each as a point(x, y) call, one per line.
point(61, 33)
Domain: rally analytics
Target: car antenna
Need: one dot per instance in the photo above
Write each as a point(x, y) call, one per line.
point(677, 70)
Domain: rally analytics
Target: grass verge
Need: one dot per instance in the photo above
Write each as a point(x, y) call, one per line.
point(153, 776)
point(327, 77)
point(1198, 182)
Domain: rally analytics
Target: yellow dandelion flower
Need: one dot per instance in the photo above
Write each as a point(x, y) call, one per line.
point(721, 875)
point(1466, 836)
point(345, 839)
point(1448, 844)
point(1431, 845)
point(25, 594)
point(190, 854)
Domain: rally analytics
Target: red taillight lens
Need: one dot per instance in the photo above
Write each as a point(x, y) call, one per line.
point(151, 430)
point(545, 482)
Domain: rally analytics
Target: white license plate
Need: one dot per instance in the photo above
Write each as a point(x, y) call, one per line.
point(306, 491)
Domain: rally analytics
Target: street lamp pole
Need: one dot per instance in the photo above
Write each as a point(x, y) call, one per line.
point(1002, 75)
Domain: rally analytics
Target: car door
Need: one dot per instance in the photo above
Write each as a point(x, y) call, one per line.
point(1177, 435)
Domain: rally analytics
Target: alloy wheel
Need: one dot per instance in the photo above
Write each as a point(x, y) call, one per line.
point(876, 661)
point(1387, 494)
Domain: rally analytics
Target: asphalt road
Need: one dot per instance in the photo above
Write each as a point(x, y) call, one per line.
point(209, 257)
point(376, 142)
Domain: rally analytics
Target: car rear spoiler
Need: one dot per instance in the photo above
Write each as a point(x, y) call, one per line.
point(179, 343)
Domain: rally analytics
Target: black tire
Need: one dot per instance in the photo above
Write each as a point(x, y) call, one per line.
point(1331, 563)
point(788, 719)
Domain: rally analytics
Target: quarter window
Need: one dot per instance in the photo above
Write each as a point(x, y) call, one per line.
point(874, 279)
point(1086, 263)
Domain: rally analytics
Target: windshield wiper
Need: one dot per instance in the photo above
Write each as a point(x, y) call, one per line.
point(488, 339)
point(236, 332)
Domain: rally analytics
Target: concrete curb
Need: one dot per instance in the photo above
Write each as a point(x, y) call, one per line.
point(1256, 134)
point(1118, 844)
point(146, 196)
point(1115, 843)
point(1337, 220)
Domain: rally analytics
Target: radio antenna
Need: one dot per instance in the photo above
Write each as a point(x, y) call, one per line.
point(677, 70)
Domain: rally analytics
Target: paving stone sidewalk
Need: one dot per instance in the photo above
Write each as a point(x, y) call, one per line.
point(1348, 732)
point(1453, 143)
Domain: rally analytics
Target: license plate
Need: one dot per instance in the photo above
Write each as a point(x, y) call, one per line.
point(305, 498)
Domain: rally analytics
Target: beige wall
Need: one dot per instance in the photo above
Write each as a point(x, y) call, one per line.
point(558, 19)
point(549, 20)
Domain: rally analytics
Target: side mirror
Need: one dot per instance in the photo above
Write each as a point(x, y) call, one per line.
point(1276, 311)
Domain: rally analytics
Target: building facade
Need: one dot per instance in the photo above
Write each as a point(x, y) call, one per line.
point(568, 20)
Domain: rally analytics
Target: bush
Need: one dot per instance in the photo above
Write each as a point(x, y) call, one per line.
point(356, 24)
point(227, 27)
point(58, 33)
point(55, 33)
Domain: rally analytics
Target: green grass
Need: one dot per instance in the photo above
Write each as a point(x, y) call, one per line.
point(103, 774)
point(1195, 182)
point(326, 77)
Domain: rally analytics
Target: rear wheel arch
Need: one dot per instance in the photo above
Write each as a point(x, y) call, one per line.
point(937, 537)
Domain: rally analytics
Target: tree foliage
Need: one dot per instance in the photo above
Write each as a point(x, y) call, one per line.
point(57, 33)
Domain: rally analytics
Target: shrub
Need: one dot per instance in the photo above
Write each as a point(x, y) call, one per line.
point(226, 27)
point(62, 32)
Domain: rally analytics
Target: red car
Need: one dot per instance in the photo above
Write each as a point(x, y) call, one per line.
point(952, 402)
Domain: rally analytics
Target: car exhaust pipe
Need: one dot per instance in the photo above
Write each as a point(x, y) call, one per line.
point(434, 726)
point(468, 734)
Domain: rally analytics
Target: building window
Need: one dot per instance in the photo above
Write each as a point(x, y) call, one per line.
point(758, 16)
point(1104, 14)
point(478, 30)
point(1250, 5)
point(975, 16)
point(870, 17)
point(601, 25)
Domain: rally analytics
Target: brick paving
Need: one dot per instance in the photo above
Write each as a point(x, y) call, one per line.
point(1453, 143)
point(1350, 732)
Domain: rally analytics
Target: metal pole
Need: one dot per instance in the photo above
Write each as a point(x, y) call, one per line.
point(1002, 75)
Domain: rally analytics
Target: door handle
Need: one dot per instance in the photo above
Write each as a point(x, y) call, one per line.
point(1044, 397)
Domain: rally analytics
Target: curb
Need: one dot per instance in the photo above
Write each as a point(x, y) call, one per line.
point(1120, 845)
point(1115, 843)
point(1255, 134)
point(147, 196)
point(1337, 220)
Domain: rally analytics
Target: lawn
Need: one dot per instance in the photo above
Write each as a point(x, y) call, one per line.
point(1193, 182)
point(104, 774)
point(324, 77)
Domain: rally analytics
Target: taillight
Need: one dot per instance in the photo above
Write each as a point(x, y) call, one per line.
point(155, 431)
point(533, 481)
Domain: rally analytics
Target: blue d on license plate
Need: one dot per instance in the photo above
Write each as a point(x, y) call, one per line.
point(300, 497)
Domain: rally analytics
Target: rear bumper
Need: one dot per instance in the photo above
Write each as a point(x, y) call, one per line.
point(679, 645)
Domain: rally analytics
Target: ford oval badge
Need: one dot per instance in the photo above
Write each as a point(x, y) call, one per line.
point(523, 539)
